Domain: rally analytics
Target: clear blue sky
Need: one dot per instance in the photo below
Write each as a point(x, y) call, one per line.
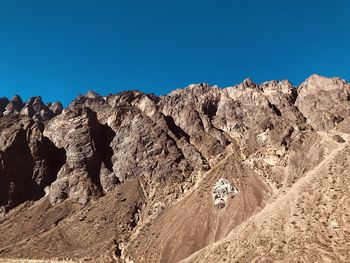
point(61, 48)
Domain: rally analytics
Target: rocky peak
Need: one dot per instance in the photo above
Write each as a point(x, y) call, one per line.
point(324, 101)
point(193, 90)
point(277, 84)
point(91, 98)
point(92, 95)
point(33, 108)
point(127, 98)
point(56, 108)
point(318, 81)
point(17, 99)
point(248, 83)
point(14, 106)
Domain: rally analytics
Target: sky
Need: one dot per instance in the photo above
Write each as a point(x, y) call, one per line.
point(62, 48)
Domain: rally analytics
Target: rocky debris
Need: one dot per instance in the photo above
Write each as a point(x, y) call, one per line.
point(314, 211)
point(221, 192)
point(156, 208)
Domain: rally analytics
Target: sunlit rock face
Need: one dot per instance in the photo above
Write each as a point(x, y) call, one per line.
point(200, 169)
point(33, 108)
point(324, 102)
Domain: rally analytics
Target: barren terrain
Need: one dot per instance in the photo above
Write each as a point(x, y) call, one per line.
point(248, 173)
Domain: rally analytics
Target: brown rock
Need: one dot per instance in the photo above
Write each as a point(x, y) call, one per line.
point(29, 161)
point(324, 102)
point(136, 177)
point(86, 143)
point(3, 103)
point(14, 106)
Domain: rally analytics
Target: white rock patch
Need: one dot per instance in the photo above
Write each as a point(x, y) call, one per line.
point(334, 225)
point(222, 190)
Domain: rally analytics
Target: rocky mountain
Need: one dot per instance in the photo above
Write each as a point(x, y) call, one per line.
point(247, 173)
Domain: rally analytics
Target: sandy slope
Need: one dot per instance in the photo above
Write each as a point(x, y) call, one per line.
point(194, 222)
point(309, 223)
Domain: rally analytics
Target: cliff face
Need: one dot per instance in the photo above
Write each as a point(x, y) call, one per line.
point(138, 177)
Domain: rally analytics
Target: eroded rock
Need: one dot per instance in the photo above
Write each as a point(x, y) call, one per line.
point(86, 143)
point(223, 189)
point(14, 106)
point(324, 102)
point(28, 161)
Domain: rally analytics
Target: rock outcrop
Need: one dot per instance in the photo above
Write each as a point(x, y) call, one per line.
point(86, 144)
point(324, 102)
point(150, 172)
point(28, 161)
point(14, 106)
point(35, 108)
point(222, 190)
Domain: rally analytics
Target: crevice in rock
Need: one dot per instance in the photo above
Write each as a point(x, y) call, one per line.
point(348, 97)
point(102, 135)
point(210, 108)
point(215, 132)
point(304, 118)
point(274, 109)
point(56, 158)
point(136, 212)
point(294, 95)
point(17, 163)
point(287, 138)
point(176, 130)
point(103, 145)
point(117, 249)
point(94, 168)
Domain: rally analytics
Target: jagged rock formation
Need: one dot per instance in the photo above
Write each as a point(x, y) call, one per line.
point(14, 106)
point(34, 108)
point(28, 161)
point(87, 171)
point(132, 177)
point(323, 101)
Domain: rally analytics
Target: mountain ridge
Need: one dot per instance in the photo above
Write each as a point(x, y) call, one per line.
point(133, 177)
